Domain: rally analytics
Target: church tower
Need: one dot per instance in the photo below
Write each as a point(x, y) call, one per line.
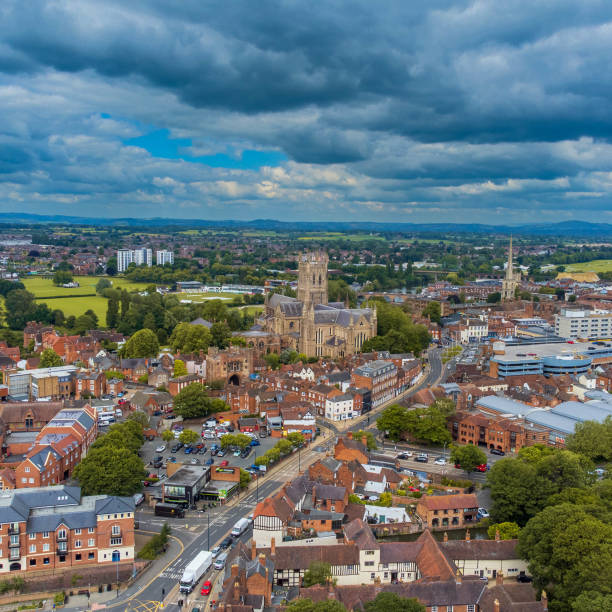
point(312, 278)
point(510, 282)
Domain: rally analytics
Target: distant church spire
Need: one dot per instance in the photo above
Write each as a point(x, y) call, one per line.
point(510, 282)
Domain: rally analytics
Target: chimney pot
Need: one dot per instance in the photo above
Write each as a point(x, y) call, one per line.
point(262, 559)
point(496, 605)
point(458, 577)
point(234, 569)
point(446, 536)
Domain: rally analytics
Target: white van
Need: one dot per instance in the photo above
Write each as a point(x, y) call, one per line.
point(118, 413)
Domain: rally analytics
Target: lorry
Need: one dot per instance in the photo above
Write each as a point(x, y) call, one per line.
point(166, 509)
point(195, 570)
point(240, 527)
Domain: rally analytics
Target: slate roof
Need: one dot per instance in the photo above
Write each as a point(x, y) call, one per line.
point(277, 298)
point(292, 309)
point(201, 321)
point(512, 598)
point(322, 491)
point(39, 459)
point(480, 549)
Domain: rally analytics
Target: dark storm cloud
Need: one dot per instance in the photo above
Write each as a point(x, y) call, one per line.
point(411, 105)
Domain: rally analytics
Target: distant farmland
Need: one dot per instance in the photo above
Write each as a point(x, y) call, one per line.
point(597, 265)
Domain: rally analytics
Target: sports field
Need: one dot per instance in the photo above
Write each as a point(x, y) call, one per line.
point(596, 265)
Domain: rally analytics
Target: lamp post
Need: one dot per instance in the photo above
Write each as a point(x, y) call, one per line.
point(208, 530)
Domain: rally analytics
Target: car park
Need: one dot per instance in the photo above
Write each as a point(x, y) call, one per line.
point(160, 449)
point(188, 449)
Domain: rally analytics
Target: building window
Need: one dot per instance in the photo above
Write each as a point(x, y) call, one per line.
point(77, 557)
point(31, 480)
point(90, 530)
point(115, 541)
point(32, 536)
point(45, 534)
point(26, 469)
point(32, 561)
point(369, 563)
point(61, 534)
point(372, 576)
point(91, 542)
point(46, 561)
point(77, 531)
point(90, 555)
point(77, 544)
point(46, 547)
point(32, 548)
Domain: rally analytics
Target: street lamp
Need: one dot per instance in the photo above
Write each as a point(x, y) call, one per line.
point(208, 531)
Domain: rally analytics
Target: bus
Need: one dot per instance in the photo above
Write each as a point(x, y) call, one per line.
point(165, 509)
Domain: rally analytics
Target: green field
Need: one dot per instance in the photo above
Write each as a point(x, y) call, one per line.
point(203, 297)
point(70, 303)
point(597, 265)
point(341, 236)
point(44, 287)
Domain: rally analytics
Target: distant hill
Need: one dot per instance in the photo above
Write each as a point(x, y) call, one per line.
point(563, 229)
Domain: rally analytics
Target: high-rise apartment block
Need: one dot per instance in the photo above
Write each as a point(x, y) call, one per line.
point(583, 324)
point(138, 256)
point(124, 258)
point(163, 258)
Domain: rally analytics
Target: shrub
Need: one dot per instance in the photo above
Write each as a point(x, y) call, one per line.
point(156, 545)
point(59, 598)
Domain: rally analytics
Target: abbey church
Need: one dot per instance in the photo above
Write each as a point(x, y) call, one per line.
point(312, 325)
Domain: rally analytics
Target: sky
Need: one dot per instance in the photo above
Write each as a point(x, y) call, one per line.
point(456, 111)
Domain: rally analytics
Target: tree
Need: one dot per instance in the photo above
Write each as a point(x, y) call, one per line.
point(307, 605)
point(433, 311)
point(192, 401)
point(180, 369)
point(391, 602)
point(273, 360)
point(393, 421)
point(187, 338)
point(167, 435)
point(385, 500)
point(494, 298)
point(220, 335)
point(245, 478)
point(188, 436)
point(102, 285)
point(296, 439)
point(143, 343)
point(468, 457)
point(142, 418)
point(513, 484)
point(112, 313)
point(592, 439)
point(110, 470)
point(569, 552)
point(20, 308)
point(592, 601)
point(370, 442)
point(62, 277)
point(318, 572)
point(240, 440)
point(50, 359)
point(507, 531)
point(284, 447)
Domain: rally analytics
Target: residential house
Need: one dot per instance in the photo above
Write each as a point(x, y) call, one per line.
point(438, 511)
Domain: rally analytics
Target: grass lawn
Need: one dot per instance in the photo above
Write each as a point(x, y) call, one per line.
point(204, 297)
point(44, 287)
point(78, 305)
point(596, 265)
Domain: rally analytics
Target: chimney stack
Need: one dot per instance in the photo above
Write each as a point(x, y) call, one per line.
point(446, 536)
point(236, 591)
point(364, 440)
point(273, 547)
point(467, 535)
point(496, 605)
point(262, 560)
point(253, 550)
point(497, 535)
point(499, 578)
point(234, 569)
point(458, 577)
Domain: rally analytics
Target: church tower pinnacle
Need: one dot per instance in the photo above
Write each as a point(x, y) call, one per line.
point(510, 282)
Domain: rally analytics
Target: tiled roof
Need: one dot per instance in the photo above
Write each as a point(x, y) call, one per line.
point(431, 560)
point(480, 549)
point(512, 598)
point(358, 532)
point(300, 557)
point(447, 502)
point(330, 492)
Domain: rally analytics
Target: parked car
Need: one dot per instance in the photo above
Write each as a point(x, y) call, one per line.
point(523, 577)
point(176, 448)
point(161, 448)
point(237, 453)
point(483, 467)
point(421, 458)
point(206, 588)
point(404, 455)
point(215, 551)
point(496, 451)
point(209, 461)
point(227, 542)
point(245, 452)
point(482, 513)
point(221, 453)
point(255, 443)
point(171, 460)
point(202, 451)
point(220, 561)
point(224, 463)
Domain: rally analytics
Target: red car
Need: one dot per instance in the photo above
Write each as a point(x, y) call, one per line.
point(206, 588)
point(224, 463)
point(482, 467)
point(413, 489)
